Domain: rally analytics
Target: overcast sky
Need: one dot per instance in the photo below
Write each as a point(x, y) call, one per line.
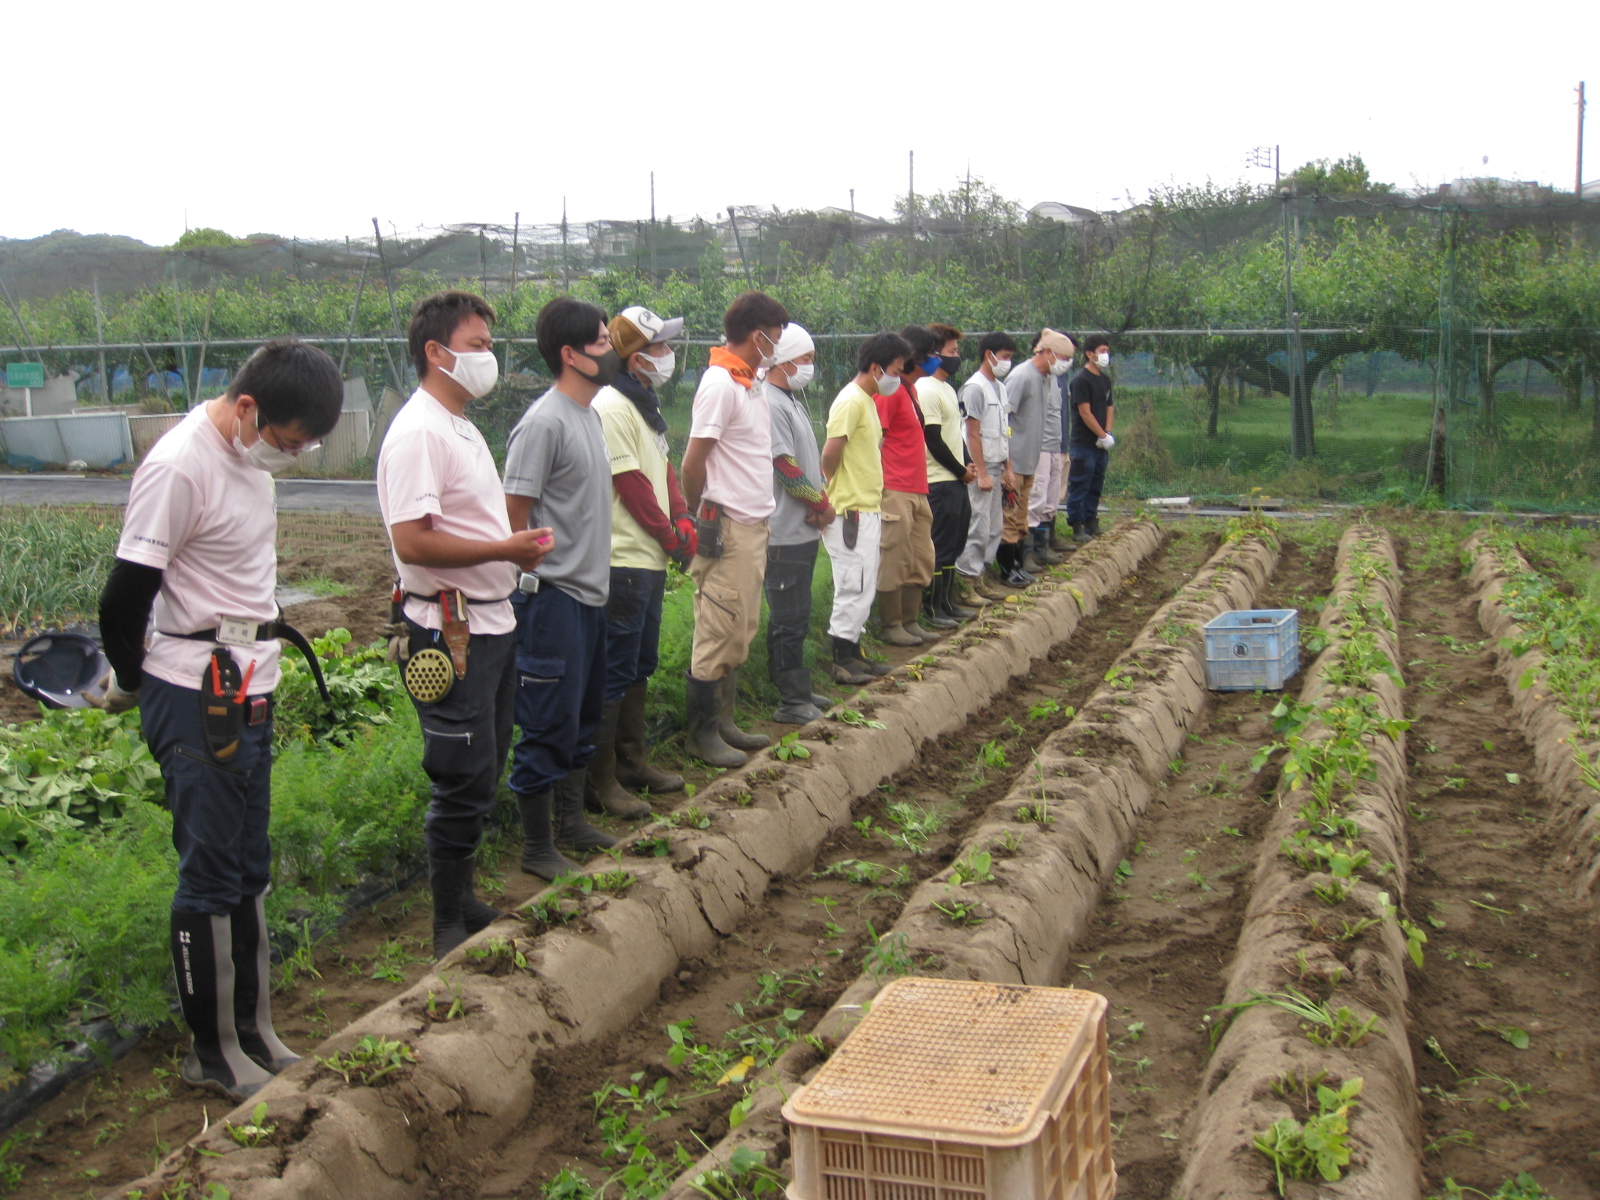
point(310, 118)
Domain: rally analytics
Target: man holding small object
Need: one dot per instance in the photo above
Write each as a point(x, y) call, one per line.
point(458, 562)
point(1092, 416)
point(198, 547)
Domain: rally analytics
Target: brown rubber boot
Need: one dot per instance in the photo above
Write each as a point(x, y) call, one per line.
point(602, 792)
point(634, 771)
point(910, 603)
point(894, 633)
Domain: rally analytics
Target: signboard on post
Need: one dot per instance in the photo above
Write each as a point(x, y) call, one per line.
point(24, 375)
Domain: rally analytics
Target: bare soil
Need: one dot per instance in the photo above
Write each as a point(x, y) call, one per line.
point(115, 1125)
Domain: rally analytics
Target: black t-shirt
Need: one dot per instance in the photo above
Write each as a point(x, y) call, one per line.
point(1095, 391)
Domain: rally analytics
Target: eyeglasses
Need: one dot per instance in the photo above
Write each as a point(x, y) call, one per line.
point(297, 449)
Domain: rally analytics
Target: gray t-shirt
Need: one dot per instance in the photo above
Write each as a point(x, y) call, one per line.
point(1028, 394)
point(794, 435)
point(557, 455)
point(1051, 440)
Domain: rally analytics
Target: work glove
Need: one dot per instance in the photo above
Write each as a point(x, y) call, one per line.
point(1106, 442)
point(398, 636)
point(111, 697)
point(688, 538)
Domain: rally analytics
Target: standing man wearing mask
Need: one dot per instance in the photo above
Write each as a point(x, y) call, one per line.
point(1030, 391)
point(1092, 416)
point(446, 515)
point(1052, 470)
point(801, 514)
point(853, 469)
point(650, 525)
point(983, 400)
point(198, 545)
point(948, 477)
point(558, 473)
point(727, 479)
point(906, 553)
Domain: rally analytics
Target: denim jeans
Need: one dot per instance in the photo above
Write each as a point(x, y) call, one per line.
point(633, 627)
point(1085, 477)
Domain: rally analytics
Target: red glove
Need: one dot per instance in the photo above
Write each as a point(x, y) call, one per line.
point(688, 541)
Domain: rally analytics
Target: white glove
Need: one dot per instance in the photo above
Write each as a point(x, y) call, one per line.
point(1106, 442)
point(112, 698)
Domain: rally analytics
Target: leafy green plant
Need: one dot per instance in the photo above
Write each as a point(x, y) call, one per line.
point(1521, 1186)
point(72, 767)
point(975, 867)
point(1039, 813)
point(363, 686)
point(850, 716)
point(916, 825)
point(1321, 1024)
point(789, 748)
point(991, 756)
point(957, 910)
point(369, 1060)
point(873, 874)
point(1046, 708)
point(745, 1176)
point(1315, 1148)
point(887, 957)
point(256, 1130)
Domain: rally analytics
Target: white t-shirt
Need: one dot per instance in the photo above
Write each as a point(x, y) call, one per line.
point(436, 464)
point(208, 521)
point(739, 467)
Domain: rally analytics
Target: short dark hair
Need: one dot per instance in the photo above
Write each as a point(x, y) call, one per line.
point(922, 341)
point(996, 341)
point(944, 334)
point(292, 382)
point(435, 318)
point(566, 321)
point(880, 350)
point(750, 312)
point(1093, 342)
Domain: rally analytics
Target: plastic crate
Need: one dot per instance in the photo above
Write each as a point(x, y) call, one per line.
point(1252, 648)
point(955, 1090)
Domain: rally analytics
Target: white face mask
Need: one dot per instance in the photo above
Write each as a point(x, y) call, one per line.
point(1060, 366)
point(476, 370)
point(658, 370)
point(263, 455)
point(1001, 368)
point(801, 374)
point(770, 359)
point(1103, 358)
point(888, 384)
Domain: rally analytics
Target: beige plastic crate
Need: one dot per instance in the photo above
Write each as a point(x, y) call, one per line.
point(953, 1090)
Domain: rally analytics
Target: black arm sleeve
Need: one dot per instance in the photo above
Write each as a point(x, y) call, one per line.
point(124, 614)
point(933, 437)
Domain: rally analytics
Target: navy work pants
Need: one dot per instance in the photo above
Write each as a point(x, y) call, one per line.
point(1085, 479)
point(633, 628)
point(561, 687)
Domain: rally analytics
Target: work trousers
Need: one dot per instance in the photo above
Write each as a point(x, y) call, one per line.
point(560, 686)
point(1046, 488)
point(788, 587)
point(988, 519)
point(727, 600)
point(465, 738)
point(633, 627)
point(219, 809)
point(1085, 479)
point(952, 518)
point(905, 551)
point(855, 573)
point(1016, 519)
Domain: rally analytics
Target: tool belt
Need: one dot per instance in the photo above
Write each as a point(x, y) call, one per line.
point(708, 530)
point(265, 632)
point(430, 673)
point(850, 528)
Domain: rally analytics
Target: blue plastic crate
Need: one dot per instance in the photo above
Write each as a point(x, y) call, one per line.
point(1252, 648)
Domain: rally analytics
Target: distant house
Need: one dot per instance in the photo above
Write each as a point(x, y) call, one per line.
point(1591, 190)
point(1067, 214)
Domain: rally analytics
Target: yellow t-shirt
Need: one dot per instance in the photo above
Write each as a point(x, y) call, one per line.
point(633, 446)
point(940, 407)
point(857, 485)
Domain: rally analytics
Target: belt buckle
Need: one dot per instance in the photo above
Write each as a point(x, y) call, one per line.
point(234, 631)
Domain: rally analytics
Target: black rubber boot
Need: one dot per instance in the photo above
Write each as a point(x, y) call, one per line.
point(798, 706)
point(252, 988)
point(1092, 528)
point(202, 960)
point(602, 792)
point(731, 733)
point(848, 668)
point(634, 771)
point(876, 670)
point(944, 597)
point(702, 735)
point(1080, 535)
point(572, 827)
point(1041, 547)
point(539, 854)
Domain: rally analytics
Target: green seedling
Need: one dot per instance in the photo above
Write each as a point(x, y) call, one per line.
point(435, 1011)
point(1010, 843)
point(1039, 813)
point(369, 1060)
point(850, 716)
point(887, 956)
point(1316, 1148)
point(495, 950)
point(869, 874)
point(1333, 893)
point(255, 1131)
point(1045, 708)
point(789, 748)
point(916, 825)
point(992, 757)
point(959, 911)
point(1321, 1025)
point(1510, 1034)
point(974, 868)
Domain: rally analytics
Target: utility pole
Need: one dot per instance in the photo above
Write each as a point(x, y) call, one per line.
point(516, 233)
point(100, 337)
point(566, 281)
point(1277, 165)
point(1577, 186)
point(653, 225)
point(911, 192)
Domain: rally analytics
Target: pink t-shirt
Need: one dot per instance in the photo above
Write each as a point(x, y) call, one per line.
point(208, 521)
point(739, 467)
point(436, 464)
